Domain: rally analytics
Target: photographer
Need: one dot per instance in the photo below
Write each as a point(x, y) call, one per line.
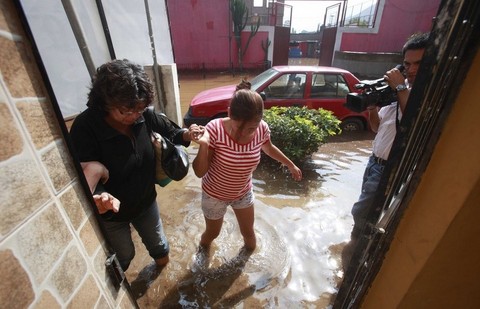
point(384, 121)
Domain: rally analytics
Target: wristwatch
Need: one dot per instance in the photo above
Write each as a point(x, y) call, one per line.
point(401, 87)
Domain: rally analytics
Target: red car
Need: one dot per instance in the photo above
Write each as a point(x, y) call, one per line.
point(310, 86)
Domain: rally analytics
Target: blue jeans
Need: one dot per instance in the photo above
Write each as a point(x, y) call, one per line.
point(148, 225)
point(360, 210)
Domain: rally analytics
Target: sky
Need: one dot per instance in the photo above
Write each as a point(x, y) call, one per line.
point(307, 15)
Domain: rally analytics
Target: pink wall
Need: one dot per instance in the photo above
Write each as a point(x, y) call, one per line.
point(255, 55)
point(200, 35)
point(400, 19)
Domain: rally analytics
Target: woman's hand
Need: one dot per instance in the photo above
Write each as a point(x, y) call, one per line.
point(105, 202)
point(203, 139)
point(194, 133)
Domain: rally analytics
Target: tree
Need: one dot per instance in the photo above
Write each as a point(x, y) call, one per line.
point(265, 50)
point(240, 17)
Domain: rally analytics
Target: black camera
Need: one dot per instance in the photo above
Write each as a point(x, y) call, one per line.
point(374, 92)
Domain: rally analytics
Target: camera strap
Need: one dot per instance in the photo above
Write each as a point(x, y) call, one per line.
point(397, 121)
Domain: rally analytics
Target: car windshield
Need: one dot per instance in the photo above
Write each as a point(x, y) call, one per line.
point(260, 79)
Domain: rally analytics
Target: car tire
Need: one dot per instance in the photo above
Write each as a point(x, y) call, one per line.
point(352, 124)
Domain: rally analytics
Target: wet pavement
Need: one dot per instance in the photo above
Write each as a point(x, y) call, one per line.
point(301, 229)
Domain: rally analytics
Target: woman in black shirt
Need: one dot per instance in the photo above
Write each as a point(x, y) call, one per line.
point(114, 131)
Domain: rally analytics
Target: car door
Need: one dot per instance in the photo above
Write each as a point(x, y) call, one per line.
point(328, 91)
point(285, 90)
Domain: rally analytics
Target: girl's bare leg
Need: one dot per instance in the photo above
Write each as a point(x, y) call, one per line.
point(245, 218)
point(212, 230)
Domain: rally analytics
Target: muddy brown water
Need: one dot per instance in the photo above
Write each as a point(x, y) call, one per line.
point(301, 229)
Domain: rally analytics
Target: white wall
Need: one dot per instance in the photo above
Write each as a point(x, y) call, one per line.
point(61, 55)
point(129, 30)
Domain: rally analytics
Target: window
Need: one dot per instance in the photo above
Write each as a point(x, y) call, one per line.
point(258, 3)
point(287, 86)
point(361, 14)
point(328, 86)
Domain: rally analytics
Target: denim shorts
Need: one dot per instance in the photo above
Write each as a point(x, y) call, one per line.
point(215, 209)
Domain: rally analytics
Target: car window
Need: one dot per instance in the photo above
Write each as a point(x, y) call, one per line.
point(287, 86)
point(328, 86)
point(262, 78)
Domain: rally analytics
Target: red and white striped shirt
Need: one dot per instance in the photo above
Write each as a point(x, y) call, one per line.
point(229, 175)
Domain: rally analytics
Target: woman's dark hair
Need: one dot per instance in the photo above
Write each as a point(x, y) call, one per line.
point(120, 83)
point(246, 105)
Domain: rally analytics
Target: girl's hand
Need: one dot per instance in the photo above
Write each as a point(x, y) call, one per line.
point(204, 139)
point(296, 172)
point(195, 132)
point(106, 202)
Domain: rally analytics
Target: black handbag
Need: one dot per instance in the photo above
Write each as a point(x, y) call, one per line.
point(171, 161)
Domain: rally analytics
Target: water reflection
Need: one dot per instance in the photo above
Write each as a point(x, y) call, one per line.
point(301, 229)
point(227, 275)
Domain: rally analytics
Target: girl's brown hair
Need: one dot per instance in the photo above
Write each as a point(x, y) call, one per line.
point(246, 105)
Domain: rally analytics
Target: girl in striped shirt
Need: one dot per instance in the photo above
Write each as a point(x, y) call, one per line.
point(229, 152)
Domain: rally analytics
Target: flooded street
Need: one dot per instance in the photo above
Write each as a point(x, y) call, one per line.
point(301, 228)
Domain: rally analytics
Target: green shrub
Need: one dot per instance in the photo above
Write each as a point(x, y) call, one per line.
point(298, 131)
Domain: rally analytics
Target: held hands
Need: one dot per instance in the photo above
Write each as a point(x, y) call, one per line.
point(106, 202)
point(195, 132)
point(201, 136)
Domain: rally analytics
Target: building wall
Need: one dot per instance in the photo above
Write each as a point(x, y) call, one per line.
point(367, 65)
point(370, 52)
point(51, 250)
point(398, 19)
point(206, 26)
point(59, 31)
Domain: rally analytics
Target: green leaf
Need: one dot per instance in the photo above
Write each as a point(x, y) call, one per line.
point(299, 131)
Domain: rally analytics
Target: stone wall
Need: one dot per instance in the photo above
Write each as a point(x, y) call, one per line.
point(52, 253)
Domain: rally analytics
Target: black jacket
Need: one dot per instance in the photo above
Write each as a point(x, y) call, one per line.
point(131, 163)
